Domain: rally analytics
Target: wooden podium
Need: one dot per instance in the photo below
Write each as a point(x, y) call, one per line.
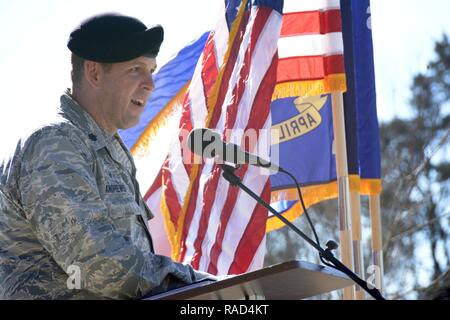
point(292, 280)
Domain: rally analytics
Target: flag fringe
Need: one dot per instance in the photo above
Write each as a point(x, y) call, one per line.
point(310, 88)
point(371, 187)
point(312, 195)
point(170, 228)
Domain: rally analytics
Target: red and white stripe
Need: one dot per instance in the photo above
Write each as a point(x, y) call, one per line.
point(223, 230)
point(310, 45)
point(220, 230)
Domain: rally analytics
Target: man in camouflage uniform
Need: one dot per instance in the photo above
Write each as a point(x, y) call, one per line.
point(70, 205)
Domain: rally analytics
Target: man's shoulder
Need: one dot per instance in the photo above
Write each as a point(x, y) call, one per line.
point(58, 137)
point(51, 142)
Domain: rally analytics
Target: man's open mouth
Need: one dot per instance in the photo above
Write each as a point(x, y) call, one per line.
point(137, 102)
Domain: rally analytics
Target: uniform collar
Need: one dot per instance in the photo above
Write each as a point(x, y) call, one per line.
point(72, 111)
point(99, 138)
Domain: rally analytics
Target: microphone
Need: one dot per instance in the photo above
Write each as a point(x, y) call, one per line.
point(208, 144)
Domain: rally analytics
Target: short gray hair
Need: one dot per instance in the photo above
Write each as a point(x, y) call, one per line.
point(78, 69)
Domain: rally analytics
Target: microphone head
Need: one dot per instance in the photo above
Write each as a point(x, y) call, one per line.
point(203, 142)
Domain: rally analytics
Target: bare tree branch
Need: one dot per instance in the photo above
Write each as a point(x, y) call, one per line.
point(427, 159)
point(422, 289)
point(412, 230)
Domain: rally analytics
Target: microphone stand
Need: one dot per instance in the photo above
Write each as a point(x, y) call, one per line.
point(229, 175)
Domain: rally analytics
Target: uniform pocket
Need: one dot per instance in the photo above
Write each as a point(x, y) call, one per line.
point(127, 217)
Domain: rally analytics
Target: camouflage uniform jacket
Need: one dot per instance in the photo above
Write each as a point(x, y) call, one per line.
point(69, 207)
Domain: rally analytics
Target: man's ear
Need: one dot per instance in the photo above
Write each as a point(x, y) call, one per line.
point(93, 72)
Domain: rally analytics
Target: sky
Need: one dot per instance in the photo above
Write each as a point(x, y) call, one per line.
point(35, 62)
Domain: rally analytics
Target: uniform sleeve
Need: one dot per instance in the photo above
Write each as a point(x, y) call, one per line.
point(62, 202)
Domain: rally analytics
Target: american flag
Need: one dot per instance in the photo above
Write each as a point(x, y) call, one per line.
point(211, 225)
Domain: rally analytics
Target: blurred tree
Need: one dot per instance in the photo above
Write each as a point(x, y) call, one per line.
point(415, 200)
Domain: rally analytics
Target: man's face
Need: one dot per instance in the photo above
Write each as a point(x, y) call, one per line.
point(124, 91)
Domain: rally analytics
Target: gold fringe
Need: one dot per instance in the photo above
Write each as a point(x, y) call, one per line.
point(371, 187)
point(169, 226)
point(311, 88)
point(355, 182)
point(312, 195)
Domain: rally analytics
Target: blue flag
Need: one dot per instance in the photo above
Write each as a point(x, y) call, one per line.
point(362, 131)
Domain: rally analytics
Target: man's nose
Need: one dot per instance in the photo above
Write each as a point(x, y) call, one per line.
point(148, 83)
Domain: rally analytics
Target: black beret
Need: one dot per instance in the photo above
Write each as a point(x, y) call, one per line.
point(112, 37)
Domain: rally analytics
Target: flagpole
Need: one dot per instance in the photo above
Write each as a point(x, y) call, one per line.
point(358, 258)
point(377, 248)
point(343, 186)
